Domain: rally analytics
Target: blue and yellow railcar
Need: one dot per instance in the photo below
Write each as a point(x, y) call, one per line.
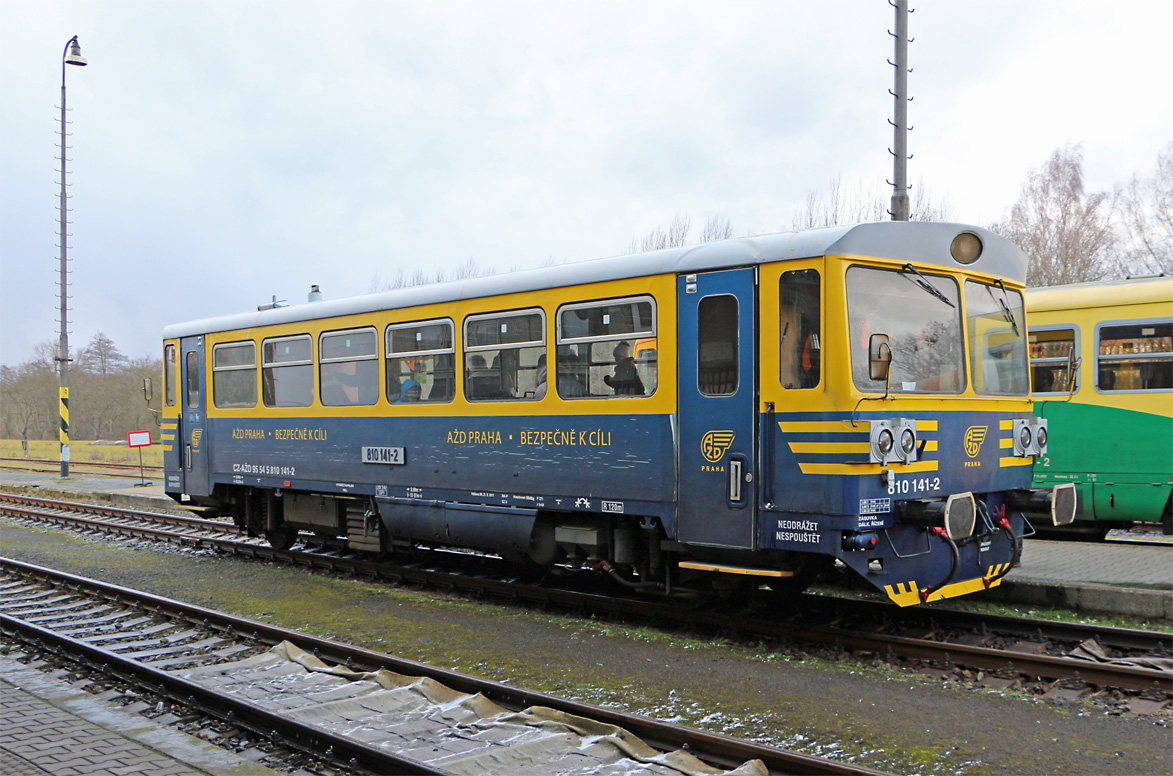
point(745, 411)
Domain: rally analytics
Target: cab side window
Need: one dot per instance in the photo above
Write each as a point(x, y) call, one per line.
point(169, 365)
point(800, 317)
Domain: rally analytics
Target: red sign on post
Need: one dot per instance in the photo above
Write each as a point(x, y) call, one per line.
point(138, 439)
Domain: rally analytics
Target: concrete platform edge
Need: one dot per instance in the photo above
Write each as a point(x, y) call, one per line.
point(197, 754)
point(1087, 597)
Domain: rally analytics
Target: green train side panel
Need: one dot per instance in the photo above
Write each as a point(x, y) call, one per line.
point(1120, 460)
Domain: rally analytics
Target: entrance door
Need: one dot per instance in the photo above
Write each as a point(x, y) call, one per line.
point(718, 395)
point(193, 426)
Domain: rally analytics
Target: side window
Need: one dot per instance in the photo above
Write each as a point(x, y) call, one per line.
point(169, 374)
point(234, 375)
point(606, 349)
point(349, 368)
point(193, 380)
point(800, 316)
point(287, 371)
point(717, 361)
point(1050, 352)
point(1135, 357)
point(421, 362)
point(503, 355)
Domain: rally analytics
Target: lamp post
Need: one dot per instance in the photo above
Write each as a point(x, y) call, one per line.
point(70, 56)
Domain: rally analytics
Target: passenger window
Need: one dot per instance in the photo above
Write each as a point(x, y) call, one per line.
point(1135, 357)
point(287, 371)
point(504, 353)
point(193, 380)
point(349, 368)
point(169, 374)
point(234, 375)
point(799, 324)
point(1050, 353)
point(717, 360)
point(421, 362)
point(606, 349)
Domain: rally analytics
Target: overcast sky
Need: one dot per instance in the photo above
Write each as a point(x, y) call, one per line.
point(226, 152)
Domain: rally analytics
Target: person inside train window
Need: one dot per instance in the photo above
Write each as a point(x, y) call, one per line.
point(482, 382)
point(626, 380)
point(540, 390)
point(800, 318)
point(409, 388)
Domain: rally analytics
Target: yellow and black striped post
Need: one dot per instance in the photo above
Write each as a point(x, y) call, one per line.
point(63, 394)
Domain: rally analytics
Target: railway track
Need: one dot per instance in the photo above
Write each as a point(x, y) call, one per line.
point(40, 465)
point(215, 663)
point(1060, 660)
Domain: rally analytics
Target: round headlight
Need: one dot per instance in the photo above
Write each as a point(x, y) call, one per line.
point(907, 441)
point(1024, 437)
point(884, 442)
point(1041, 437)
point(966, 248)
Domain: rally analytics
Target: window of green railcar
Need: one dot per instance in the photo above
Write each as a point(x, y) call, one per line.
point(1050, 353)
point(1134, 356)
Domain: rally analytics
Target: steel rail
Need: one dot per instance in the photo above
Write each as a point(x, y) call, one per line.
point(18, 464)
point(225, 707)
point(712, 747)
point(985, 658)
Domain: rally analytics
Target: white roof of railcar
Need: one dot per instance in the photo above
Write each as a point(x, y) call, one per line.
point(915, 241)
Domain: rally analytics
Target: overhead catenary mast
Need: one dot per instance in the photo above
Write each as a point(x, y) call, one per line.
point(899, 122)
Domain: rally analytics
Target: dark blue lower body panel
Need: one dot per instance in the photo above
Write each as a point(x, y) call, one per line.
point(601, 463)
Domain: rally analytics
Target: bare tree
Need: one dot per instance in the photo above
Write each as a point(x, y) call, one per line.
point(101, 356)
point(716, 228)
point(1064, 229)
point(1145, 228)
point(863, 203)
point(676, 234)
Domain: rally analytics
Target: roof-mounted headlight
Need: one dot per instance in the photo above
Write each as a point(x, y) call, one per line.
point(966, 248)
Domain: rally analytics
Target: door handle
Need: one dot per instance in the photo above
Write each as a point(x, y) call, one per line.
point(736, 468)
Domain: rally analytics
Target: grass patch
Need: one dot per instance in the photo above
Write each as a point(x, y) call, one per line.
point(86, 452)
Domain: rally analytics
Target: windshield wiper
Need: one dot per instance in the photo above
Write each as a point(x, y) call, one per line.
point(923, 282)
point(1009, 316)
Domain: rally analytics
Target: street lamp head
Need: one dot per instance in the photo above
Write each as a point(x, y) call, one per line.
point(73, 56)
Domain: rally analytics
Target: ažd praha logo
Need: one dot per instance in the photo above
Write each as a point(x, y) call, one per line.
point(974, 436)
point(714, 444)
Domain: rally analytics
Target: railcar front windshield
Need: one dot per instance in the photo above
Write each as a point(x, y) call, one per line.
point(997, 340)
point(921, 314)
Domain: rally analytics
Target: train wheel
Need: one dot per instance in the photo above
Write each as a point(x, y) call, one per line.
point(282, 537)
